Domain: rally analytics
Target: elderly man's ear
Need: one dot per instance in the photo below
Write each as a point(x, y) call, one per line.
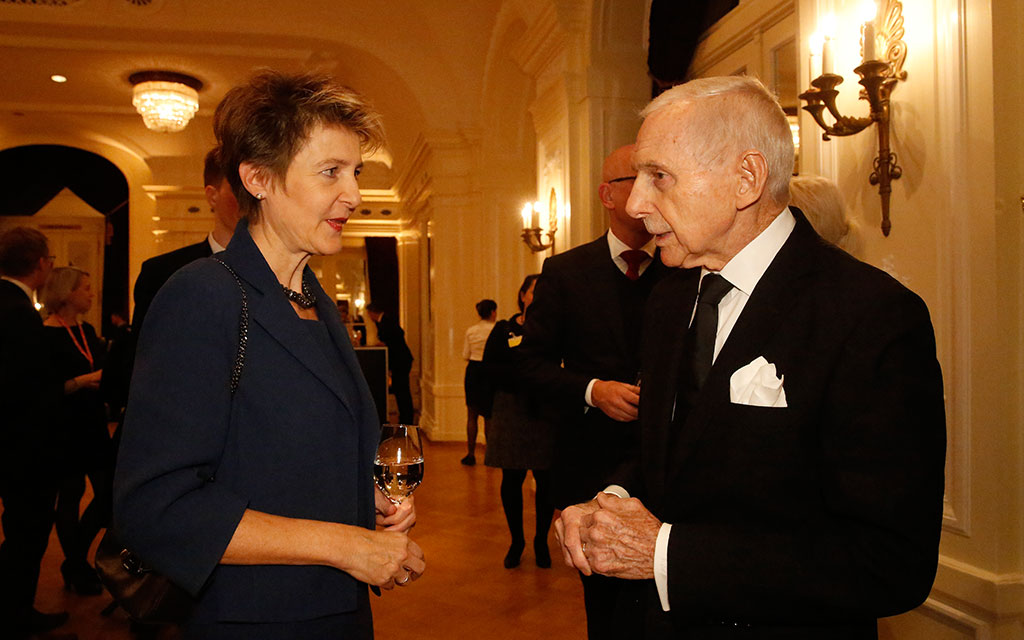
point(752, 174)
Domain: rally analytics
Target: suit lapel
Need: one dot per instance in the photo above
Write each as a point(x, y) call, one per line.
point(670, 312)
point(274, 313)
point(780, 286)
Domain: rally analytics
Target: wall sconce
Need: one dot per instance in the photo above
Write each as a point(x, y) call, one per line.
point(531, 224)
point(878, 77)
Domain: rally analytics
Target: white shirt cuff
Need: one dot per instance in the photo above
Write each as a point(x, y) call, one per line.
point(616, 490)
point(587, 396)
point(661, 564)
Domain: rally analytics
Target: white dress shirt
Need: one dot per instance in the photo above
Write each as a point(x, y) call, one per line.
point(615, 248)
point(214, 245)
point(743, 272)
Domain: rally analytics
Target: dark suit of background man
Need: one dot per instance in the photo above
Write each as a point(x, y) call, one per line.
point(797, 491)
point(586, 315)
point(157, 270)
point(399, 359)
point(27, 474)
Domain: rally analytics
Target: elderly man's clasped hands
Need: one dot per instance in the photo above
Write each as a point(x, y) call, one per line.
point(609, 535)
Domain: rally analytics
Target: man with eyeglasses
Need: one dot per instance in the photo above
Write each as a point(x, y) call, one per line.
point(581, 351)
point(28, 389)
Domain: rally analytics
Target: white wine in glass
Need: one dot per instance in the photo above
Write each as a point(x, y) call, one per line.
point(398, 466)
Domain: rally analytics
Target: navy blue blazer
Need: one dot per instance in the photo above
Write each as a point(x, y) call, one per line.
point(297, 439)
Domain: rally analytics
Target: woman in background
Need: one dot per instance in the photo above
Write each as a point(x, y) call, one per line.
point(477, 384)
point(260, 501)
point(819, 199)
point(518, 439)
point(84, 442)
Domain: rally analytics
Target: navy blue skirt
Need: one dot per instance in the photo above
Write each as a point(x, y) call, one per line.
point(352, 625)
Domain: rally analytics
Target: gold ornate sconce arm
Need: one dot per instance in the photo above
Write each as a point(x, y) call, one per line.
point(878, 79)
point(532, 238)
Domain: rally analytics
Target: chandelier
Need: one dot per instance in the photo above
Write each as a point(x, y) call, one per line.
point(166, 100)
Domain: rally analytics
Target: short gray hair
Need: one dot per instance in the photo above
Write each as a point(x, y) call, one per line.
point(820, 201)
point(746, 116)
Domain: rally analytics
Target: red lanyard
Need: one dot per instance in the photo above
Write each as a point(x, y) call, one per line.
point(83, 348)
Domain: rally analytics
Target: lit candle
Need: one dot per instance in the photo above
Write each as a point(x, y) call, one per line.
point(536, 215)
point(527, 215)
point(826, 56)
point(814, 61)
point(869, 41)
point(868, 13)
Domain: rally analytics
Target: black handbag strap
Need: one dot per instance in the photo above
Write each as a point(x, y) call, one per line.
point(243, 329)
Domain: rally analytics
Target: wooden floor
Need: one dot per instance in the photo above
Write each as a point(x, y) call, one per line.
point(465, 591)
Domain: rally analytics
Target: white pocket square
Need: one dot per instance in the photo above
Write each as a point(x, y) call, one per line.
point(757, 385)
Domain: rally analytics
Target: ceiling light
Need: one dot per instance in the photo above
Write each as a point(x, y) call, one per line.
point(165, 99)
point(59, 79)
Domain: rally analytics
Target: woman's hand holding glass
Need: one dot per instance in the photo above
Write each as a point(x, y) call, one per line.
point(401, 517)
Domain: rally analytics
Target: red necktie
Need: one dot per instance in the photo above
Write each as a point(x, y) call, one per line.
point(634, 258)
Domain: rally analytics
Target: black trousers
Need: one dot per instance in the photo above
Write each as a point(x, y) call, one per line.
point(75, 533)
point(403, 395)
point(601, 599)
point(27, 519)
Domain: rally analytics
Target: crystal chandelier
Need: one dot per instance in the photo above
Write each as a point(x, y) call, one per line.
point(165, 100)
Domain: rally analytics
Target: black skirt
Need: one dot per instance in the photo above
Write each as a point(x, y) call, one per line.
point(479, 391)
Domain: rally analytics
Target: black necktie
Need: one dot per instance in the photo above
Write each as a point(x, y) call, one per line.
point(700, 346)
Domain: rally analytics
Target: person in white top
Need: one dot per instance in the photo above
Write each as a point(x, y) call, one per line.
point(478, 389)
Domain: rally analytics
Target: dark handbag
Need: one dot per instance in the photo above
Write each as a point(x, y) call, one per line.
point(148, 596)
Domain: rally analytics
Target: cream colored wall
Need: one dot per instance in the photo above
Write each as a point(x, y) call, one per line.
point(956, 240)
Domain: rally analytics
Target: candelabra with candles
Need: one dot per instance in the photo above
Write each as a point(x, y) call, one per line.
point(878, 77)
point(531, 227)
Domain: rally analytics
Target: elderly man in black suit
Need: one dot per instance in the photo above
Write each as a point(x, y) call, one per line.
point(790, 477)
point(156, 271)
point(580, 350)
point(28, 389)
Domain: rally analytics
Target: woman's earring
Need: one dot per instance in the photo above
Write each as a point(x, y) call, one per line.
point(259, 196)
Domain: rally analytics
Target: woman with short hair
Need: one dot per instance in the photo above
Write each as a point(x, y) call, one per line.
point(261, 501)
point(82, 442)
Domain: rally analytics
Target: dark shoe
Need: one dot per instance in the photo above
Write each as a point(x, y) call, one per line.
point(541, 553)
point(45, 622)
point(515, 552)
point(81, 579)
point(469, 460)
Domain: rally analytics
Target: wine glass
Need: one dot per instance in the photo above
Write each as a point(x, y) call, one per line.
point(398, 466)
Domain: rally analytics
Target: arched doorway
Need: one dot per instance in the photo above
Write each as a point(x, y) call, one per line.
point(80, 201)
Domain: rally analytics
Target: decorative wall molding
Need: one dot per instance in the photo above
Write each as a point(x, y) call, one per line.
point(951, 617)
point(954, 251)
point(975, 592)
point(737, 29)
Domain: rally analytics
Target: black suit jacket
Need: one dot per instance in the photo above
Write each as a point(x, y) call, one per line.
point(296, 439)
point(585, 315)
point(29, 390)
point(808, 521)
point(157, 270)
